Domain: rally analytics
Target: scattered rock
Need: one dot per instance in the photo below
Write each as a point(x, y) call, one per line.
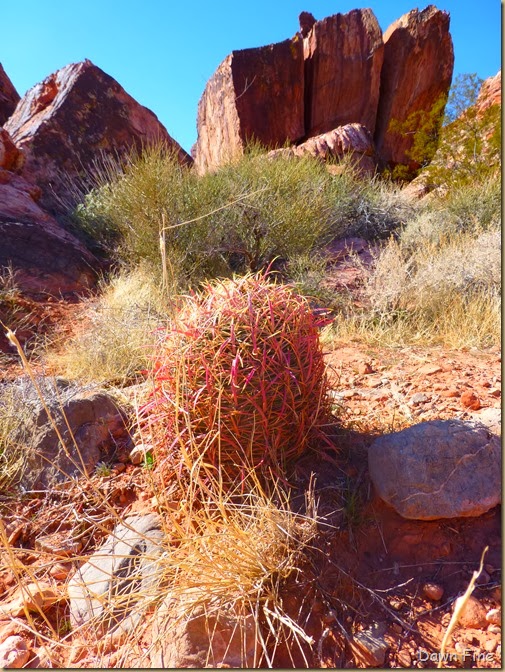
point(470, 400)
point(9, 97)
point(490, 645)
point(200, 637)
point(68, 122)
point(473, 614)
point(495, 629)
point(433, 591)
point(404, 658)
point(89, 421)
point(57, 544)
point(111, 591)
point(343, 57)
point(420, 43)
point(493, 616)
point(370, 646)
point(138, 453)
point(365, 368)
point(14, 653)
point(429, 370)
point(419, 398)
point(35, 597)
point(438, 469)
point(60, 571)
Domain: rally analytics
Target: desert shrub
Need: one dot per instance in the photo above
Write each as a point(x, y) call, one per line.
point(236, 219)
point(116, 343)
point(435, 286)
point(240, 380)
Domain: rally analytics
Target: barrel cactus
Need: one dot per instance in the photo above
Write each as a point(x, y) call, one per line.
point(240, 379)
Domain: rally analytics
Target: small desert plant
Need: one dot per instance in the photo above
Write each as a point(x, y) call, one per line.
point(117, 344)
point(240, 379)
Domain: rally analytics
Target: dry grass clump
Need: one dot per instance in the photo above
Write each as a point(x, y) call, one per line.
point(117, 340)
point(432, 287)
point(12, 453)
point(231, 555)
point(240, 379)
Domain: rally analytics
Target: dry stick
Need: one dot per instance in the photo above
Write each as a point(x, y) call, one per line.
point(459, 605)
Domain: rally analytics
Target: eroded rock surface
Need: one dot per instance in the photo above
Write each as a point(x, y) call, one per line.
point(343, 59)
point(490, 93)
point(416, 73)
point(438, 469)
point(46, 257)
point(65, 124)
point(110, 590)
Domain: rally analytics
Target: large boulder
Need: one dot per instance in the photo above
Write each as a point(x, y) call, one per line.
point(89, 423)
point(9, 97)
point(70, 121)
point(119, 582)
point(45, 257)
point(343, 59)
point(416, 74)
point(438, 469)
point(255, 94)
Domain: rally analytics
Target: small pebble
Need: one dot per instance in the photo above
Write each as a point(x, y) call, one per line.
point(470, 400)
point(490, 645)
point(364, 368)
point(404, 658)
point(433, 591)
point(60, 571)
point(473, 614)
point(493, 616)
point(483, 578)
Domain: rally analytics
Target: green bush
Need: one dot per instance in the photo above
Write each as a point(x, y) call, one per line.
point(237, 219)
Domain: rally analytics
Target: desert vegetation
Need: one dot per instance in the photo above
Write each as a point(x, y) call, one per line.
point(214, 311)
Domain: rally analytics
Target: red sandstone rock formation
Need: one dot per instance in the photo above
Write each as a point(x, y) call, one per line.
point(306, 21)
point(66, 123)
point(10, 156)
point(254, 94)
point(9, 97)
point(46, 258)
point(352, 140)
point(490, 93)
point(343, 59)
point(417, 71)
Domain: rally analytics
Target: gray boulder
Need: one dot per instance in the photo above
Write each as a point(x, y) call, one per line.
point(438, 469)
point(112, 590)
point(89, 422)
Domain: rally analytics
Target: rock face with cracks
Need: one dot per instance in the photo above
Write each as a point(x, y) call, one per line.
point(416, 73)
point(343, 59)
point(438, 469)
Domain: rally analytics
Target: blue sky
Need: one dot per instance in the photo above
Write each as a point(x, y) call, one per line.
point(163, 52)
